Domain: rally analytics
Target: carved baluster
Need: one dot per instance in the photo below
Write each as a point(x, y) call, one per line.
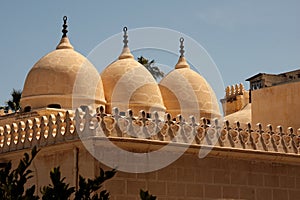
point(193, 125)
point(44, 131)
point(254, 138)
point(15, 139)
point(180, 129)
point(233, 134)
point(117, 116)
point(245, 136)
point(296, 141)
point(51, 139)
point(287, 139)
point(201, 131)
point(79, 122)
point(60, 128)
point(28, 133)
point(173, 130)
point(216, 123)
point(188, 131)
point(223, 133)
point(70, 132)
point(36, 132)
point(94, 128)
point(158, 127)
point(167, 131)
point(273, 137)
point(2, 139)
point(87, 120)
point(212, 135)
point(130, 129)
point(278, 138)
point(144, 127)
point(104, 130)
point(7, 138)
point(149, 129)
point(266, 138)
point(21, 135)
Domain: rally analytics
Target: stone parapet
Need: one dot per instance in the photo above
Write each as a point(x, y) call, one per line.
point(71, 126)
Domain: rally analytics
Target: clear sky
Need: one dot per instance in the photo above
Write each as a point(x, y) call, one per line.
point(242, 37)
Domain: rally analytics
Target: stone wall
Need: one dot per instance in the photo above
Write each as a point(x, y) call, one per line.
point(278, 104)
point(217, 176)
point(191, 178)
point(245, 162)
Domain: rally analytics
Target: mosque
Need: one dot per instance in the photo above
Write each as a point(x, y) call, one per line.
point(167, 137)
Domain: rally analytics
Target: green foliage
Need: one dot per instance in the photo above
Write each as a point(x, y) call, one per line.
point(88, 188)
point(146, 196)
point(58, 190)
point(150, 66)
point(14, 103)
point(12, 182)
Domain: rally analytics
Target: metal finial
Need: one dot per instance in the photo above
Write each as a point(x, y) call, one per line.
point(65, 26)
point(125, 36)
point(181, 47)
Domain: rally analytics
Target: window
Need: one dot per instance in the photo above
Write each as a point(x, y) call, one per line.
point(27, 109)
point(53, 106)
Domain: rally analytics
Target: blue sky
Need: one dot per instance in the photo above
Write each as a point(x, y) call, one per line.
point(242, 37)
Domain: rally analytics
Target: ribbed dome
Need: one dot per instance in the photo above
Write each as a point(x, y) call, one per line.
point(56, 81)
point(129, 85)
point(186, 92)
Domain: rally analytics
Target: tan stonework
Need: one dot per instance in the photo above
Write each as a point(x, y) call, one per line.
point(236, 98)
point(60, 78)
point(279, 104)
point(187, 93)
point(129, 85)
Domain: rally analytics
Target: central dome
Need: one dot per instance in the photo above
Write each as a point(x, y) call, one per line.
point(129, 85)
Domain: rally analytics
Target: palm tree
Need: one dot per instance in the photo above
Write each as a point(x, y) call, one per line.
point(14, 103)
point(150, 66)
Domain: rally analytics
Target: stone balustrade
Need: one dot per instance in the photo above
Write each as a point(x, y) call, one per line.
point(71, 126)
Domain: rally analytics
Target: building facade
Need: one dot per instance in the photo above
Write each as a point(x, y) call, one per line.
point(75, 123)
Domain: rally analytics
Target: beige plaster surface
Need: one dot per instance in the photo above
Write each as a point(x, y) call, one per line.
point(62, 77)
point(277, 105)
point(129, 85)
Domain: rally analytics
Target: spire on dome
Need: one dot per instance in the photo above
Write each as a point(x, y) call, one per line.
point(64, 42)
point(65, 26)
point(181, 61)
point(126, 51)
point(181, 47)
point(125, 36)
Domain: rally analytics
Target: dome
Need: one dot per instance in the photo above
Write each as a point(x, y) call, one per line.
point(186, 92)
point(129, 85)
point(243, 116)
point(56, 81)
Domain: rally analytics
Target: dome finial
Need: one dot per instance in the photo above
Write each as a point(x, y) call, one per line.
point(181, 47)
point(126, 51)
point(64, 42)
point(65, 26)
point(125, 36)
point(181, 61)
